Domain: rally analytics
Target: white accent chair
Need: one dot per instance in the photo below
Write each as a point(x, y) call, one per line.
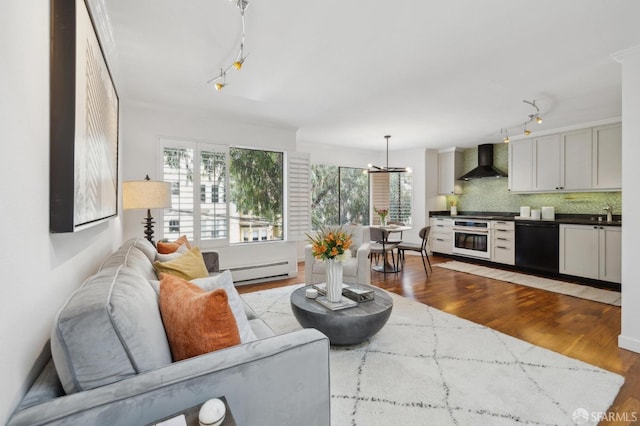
point(356, 270)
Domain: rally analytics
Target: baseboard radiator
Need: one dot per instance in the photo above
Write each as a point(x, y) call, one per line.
point(260, 273)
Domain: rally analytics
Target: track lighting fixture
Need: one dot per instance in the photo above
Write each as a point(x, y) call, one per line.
point(240, 58)
point(386, 169)
point(532, 117)
point(506, 135)
point(535, 116)
point(220, 84)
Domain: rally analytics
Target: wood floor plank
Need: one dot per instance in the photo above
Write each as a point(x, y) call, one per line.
point(577, 328)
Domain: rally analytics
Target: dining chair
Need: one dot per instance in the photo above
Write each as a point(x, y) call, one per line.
point(397, 224)
point(380, 246)
point(421, 248)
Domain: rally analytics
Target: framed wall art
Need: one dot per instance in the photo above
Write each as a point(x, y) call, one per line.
point(83, 123)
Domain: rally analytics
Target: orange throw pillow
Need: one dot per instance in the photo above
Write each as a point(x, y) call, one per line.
point(170, 247)
point(196, 321)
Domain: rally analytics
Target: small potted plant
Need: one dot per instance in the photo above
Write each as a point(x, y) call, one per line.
point(453, 206)
point(382, 214)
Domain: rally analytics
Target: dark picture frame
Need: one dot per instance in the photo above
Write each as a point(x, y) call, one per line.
point(84, 125)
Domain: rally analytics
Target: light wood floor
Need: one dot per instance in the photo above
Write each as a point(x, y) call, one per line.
point(574, 327)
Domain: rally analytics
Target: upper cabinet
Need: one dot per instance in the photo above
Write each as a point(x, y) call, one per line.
point(450, 168)
point(607, 154)
point(580, 160)
point(521, 165)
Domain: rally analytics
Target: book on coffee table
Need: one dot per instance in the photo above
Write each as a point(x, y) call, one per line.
point(344, 303)
point(322, 288)
point(352, 291)
point(357, 293)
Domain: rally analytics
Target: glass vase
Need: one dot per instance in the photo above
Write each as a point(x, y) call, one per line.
point(334, 280)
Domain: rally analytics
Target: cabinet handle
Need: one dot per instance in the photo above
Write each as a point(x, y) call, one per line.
point(501, 247)
point(502, 230)
point(502, 239)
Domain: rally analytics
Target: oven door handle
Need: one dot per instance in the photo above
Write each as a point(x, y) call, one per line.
point(471, 230)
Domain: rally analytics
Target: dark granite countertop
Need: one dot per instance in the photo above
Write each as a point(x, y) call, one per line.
point(573, 219)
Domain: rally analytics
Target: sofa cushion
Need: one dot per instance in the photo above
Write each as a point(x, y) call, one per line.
point(108, 330)
point(225, 281)
point(188, 266)
point(196, 321)
point(143, 245)
point(131, 257)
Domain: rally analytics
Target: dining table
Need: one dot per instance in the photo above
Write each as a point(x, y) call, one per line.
point(387, 230)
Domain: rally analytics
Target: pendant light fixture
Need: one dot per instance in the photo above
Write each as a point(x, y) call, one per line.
point(386, 169)
point(221, 80)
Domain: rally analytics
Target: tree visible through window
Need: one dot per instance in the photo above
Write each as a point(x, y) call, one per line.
point(340, 195)
point(220, 193)
point(256, 183)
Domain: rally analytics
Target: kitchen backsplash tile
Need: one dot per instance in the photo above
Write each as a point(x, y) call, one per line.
point(492, 194)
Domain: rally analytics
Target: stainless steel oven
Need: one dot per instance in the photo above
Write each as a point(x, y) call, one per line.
point(472, 238)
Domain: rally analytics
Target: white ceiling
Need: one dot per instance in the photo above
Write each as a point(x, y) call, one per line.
point(431, 74)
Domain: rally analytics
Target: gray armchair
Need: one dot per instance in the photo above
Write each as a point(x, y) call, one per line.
point(356, 270)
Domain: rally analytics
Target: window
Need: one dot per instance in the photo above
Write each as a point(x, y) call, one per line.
point(340, 195)
point(187, 167)
point(221, 194)
point(400, 197)
point(256, 194)
point(354, 196)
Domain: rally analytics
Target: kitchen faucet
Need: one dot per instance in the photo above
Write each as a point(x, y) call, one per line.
point(609, 210)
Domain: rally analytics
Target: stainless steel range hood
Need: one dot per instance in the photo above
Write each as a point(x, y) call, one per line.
point(485, 165)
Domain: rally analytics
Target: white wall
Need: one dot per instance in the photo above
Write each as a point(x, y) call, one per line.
point(630, 336)
point(143, 125)
point(40, 270)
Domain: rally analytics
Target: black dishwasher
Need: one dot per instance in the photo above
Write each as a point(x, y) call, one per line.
point(538, 246)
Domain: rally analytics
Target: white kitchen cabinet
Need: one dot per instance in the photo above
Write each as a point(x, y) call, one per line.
point(441, 235)
point(607, 153)
point(610, 244)
point(450, 168)
point(547, 163)
point(581, 160)
point(577, 160)
point(521, 165)
point(591, 251)
point(503, 242)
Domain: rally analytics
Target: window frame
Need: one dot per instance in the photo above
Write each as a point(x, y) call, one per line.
point(197, 147)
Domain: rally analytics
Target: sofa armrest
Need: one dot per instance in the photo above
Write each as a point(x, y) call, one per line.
point(281, 380)
point(211, 260)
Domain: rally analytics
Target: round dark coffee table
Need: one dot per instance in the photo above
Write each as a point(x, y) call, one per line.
point(345, 326)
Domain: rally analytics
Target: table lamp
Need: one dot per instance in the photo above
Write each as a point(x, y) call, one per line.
point(146, 194)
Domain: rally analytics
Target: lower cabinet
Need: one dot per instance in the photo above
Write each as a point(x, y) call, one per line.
point(441, 235)
point(503, 248)
point(591, 251)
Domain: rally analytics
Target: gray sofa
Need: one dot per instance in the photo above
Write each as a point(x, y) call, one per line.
point(111, 363)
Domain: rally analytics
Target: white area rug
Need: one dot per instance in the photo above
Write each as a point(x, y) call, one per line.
point(427, 367)
point(576, 290)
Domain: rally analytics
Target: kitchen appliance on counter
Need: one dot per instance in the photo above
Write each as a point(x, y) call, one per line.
point(538, 246)
point(472, 238)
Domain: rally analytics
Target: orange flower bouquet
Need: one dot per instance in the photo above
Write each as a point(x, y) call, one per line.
point(331, 243)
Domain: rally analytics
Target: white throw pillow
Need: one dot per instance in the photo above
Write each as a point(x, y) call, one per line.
point(225, 280)
point(172, 256)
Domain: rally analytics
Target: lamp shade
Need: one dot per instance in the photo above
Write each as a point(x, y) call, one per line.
point(146, 194)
